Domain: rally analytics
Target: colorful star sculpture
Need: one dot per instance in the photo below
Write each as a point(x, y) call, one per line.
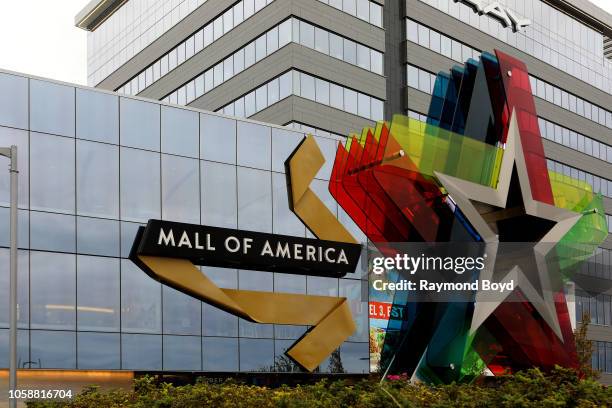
point(474, 172)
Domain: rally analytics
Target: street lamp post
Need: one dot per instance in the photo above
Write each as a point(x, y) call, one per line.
point(11, 153)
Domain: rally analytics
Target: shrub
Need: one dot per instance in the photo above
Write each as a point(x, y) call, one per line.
point(531, 388)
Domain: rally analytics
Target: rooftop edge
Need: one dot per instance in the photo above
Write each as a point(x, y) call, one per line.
point(96, 12)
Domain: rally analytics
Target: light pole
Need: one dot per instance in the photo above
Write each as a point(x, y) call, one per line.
point(11, 153)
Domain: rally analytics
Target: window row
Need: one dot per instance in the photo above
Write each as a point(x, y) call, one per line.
point(416, 115)
point(309, 87)
point(570, 102)
point(597, 307)
point(60, 291)
point(574, 140)
point(170, 187)
point(292, 30)
point(424, 81)
point(420, 79)
point(54, 109)
point(459, 52)
point(208, 34)
point(439, 43)
point(599, 184)
point(129, 30)
point(600, 264)
point(601, 359)
point(44, 349)
point(365, 10)
point(552, 37)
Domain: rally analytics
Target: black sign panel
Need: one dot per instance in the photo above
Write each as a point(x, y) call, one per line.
point(230, 248)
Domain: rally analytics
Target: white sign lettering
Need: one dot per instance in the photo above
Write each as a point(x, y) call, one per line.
point(506, 16)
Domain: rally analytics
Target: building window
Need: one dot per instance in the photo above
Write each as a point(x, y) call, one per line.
point(304, 86)
point(304, 34)
point(140, 185)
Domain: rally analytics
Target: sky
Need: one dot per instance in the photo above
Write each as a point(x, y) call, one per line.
point(38, 37)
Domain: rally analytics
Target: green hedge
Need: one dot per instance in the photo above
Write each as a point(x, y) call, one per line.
point(532, 388)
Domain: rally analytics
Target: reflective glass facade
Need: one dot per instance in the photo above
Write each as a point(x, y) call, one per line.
point(365, 10)
point(204, 37)
point(129, 30)
point(93, 167)
point(309, 87)
point(291, 30)
point(553, 37)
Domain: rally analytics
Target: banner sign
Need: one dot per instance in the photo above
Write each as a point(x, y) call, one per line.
point(231, 248)
point(386, 311)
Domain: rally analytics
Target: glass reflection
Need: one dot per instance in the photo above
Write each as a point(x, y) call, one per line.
point(19, 138)
point(141, 352)
point(179, 131)
point(254, 200)
point(97, 179)
point(222, 277)
point(180, 189)
point(23, 286)
point(23, 233)
point(99, 351)
point(355, 357)
point(286, 331)
point(97, 116)
point(220, 354)
point(319, 285)
point(259, 281)
point(284, 220)
point(53, 349)
point(282, 362)
point(256, 355)
point(140, 124)
point(98, 301)
point(140, 300)
point(23, 349)
point(217, 139)
point(97, 236)
point(51, 108)
point(52, 290)
point(13, 101)
point(216, 322)
point(52, 232)
point(287, 283)
point(182, 353)
point(182, 313)
point(284, 143)
point(140, 185)
point(352, 290)
point(128, 232)
point(51, 173)
point(219, 206)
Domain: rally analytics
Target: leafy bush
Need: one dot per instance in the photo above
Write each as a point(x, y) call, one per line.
point(530, 388)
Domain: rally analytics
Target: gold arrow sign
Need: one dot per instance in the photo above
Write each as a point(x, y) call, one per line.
point(330, 316)
point(302, 167)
